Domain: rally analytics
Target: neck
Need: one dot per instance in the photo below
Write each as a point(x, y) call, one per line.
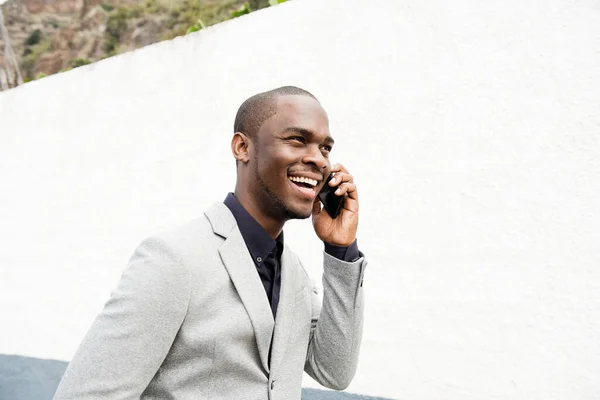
point(269, 224)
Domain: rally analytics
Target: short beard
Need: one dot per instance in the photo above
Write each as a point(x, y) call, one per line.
point(273, 204)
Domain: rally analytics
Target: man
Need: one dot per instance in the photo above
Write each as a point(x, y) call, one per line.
point(220, 308)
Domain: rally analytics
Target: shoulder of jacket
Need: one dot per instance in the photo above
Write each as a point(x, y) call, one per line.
point(187, 237)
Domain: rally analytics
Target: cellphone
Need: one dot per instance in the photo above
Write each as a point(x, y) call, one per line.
point(331, 202)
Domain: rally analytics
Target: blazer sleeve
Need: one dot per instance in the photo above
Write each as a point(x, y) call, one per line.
point(336, 329)
point(131, 337)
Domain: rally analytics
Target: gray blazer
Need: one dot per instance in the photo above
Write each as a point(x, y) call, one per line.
point(189, 319)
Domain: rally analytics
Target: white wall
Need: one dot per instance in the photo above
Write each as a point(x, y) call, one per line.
point(473, 130)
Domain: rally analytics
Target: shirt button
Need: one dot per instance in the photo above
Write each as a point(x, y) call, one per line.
point(259, 259)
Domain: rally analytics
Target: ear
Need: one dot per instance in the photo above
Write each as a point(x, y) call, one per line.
point(240, 144)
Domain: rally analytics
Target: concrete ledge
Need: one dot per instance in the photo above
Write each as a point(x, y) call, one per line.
point(26, 378)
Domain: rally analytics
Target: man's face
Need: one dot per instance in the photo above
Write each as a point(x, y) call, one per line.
point(291, 158)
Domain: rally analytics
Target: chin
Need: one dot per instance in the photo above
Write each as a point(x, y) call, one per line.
point(298, 214)
point(282, 205)
point(297, 211)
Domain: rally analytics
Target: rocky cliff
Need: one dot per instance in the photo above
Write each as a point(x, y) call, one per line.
point(49, 36)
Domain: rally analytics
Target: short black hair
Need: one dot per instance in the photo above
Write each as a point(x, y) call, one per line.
point(260, 107)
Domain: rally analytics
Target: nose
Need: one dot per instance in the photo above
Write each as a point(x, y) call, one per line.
point(315, 156)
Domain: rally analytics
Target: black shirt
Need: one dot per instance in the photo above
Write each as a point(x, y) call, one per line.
point(266, 252)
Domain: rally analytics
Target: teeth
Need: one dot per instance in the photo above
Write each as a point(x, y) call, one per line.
point(302, 179)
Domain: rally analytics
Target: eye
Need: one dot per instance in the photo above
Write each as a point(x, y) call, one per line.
point(327, 148)
point(297, 139)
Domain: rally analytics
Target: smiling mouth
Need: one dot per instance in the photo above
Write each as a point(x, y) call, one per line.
point(306, 187)
point(304, 182)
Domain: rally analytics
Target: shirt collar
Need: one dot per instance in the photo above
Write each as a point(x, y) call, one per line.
point(258, 241)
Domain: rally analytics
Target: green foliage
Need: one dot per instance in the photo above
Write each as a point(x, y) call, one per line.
point(258, 4)
point(242, 10)
point(111, 46)
point(107, 7)
point(153, 7)
point(30, 60)
point(116, 25)
point(196, 27)
point(186, 13)
point(135, 11)
point(28, 64)
point(41, 75)
point(52, 23)
point(193, 7)
point(34, 38)
point(78, 62)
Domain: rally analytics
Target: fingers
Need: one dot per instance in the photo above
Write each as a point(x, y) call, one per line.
point(341, 175)
point(339, 168)
point(347, 187)
point(345, 181)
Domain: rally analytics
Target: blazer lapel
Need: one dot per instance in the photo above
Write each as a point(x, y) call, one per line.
point(241, 269)
point(290, 286)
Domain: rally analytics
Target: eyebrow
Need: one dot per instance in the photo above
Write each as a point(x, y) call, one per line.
point(306, 133)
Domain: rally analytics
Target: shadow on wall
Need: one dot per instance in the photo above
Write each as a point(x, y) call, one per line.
point(26, 378)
